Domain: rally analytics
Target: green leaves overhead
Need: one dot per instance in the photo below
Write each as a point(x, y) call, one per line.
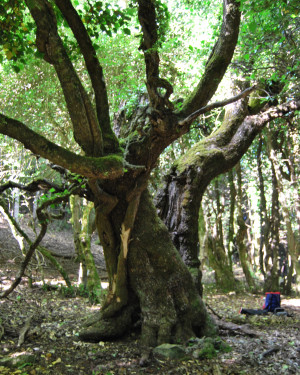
point(104, 17)
point(269, 42)
point(16, 33)
point(17, 29)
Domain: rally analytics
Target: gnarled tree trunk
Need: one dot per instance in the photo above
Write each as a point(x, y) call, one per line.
point(160, 290)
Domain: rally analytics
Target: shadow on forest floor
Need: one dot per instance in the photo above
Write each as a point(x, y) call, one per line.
point(271, 346)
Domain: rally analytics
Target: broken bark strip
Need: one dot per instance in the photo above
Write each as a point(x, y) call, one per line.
point(119, 296)
point(104, 205)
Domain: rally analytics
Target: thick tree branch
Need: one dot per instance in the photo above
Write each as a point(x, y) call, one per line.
point(148, 22)
point(178, 202)
point(93, 67)
point(234, 137)
point(87, 132)
point(218, 61)
point(276, 112)
point(106, 167)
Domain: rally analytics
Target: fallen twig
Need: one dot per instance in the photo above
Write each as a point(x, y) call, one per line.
point(241, 329)
point(24, 330)
point(213, 311)
point(269, 352)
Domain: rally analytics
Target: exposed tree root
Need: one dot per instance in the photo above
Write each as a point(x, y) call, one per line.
point(99, 328)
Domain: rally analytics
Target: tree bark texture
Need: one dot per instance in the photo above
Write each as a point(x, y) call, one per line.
point(178, 201)
point(149, 281)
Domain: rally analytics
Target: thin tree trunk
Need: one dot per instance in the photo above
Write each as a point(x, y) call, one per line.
point(75, 204)
point(264, 219)
point(242, 232)
point(215, 249)
point(82, 222)
point(93, 283)
point(231, 217)
point(16, 204)
point(293, 244)
point(271, 261)
point(202, 239)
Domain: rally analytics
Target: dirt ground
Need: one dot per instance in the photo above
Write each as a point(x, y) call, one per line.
point(262, 345)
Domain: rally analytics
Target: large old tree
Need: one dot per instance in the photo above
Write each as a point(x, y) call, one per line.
point(147, 276)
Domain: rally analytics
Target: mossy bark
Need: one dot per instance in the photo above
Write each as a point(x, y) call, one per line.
point(93, 283)
point(82, 221)
point(218, 260)
point(159, 287)
point(179, 200)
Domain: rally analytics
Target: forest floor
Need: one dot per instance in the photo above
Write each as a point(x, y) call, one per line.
point(260, 345)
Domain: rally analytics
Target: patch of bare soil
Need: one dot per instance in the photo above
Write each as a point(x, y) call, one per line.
point(260, 345)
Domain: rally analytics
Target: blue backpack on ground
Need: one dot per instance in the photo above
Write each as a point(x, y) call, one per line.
point(272, 301)
point(272, 304)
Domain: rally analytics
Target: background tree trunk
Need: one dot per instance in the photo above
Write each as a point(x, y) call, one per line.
point(242, 233)
point(83, 226)
point(263, 214)
point(292, 242)
point(75, 204)
point(231, 217)
point(271, 260)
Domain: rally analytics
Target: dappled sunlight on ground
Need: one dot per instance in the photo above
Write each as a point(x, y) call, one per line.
point(295, 302)
point(57, 318)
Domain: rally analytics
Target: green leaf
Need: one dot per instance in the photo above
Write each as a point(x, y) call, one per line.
point(16, 68)
point(252, 27)
point(127, 31)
